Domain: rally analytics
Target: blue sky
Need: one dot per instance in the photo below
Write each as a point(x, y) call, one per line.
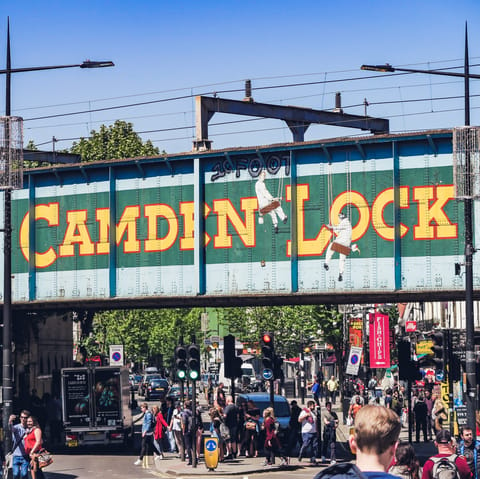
point(164, 50)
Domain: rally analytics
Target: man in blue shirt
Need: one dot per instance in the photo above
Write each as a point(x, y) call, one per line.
point(20, 460)
point(466, 447)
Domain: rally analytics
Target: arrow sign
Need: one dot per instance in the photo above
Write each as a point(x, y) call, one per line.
point(267, 374)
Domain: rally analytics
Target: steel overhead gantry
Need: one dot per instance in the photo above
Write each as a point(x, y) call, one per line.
point(297, 118)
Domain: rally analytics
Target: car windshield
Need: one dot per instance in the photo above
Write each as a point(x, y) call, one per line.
point(159, 382)
point(281, 408)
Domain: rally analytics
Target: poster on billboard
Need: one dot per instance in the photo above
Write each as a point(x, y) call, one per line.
point(379, 340)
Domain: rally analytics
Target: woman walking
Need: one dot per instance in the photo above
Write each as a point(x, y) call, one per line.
point(33, 444)
point(158, 434)
point(272, 444)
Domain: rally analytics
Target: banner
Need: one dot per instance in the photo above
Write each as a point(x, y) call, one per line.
point(354, 360)
point(379, 341)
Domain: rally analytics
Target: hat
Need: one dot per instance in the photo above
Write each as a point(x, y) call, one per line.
point(443, 436)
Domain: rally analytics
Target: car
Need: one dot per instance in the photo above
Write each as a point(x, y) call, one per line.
point(156, 389)
point(145, 380)
point(262, 401)
point(175, 392)
point(134, 380)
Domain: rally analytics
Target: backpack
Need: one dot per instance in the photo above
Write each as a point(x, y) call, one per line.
point(315, 388)
point(445, 467)
point(341, 471)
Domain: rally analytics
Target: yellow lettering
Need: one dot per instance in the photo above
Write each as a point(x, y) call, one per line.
point(49, 213)
point(433, 223)
point(306, 247)
point(77, 232)
point(152, 213)
point(103, 218)
point(385, 198)
point(225, 213)
point(128, 224)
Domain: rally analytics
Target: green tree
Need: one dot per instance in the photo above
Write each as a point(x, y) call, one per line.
point(143, 333)
point(113, 142)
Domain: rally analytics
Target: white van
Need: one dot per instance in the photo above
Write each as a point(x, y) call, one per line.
point(248, 376)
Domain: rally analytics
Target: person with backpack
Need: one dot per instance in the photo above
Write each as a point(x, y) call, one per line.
point(374, 442)
point(187, 430)
point(466, 447)
point(446, 464)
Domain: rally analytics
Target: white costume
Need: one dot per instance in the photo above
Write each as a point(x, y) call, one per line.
point(344, 238)
point(264, 199)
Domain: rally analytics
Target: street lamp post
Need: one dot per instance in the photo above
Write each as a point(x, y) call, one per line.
point(469, 248)
point(7, 380)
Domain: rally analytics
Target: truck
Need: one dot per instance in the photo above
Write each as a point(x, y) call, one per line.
point(95, 406)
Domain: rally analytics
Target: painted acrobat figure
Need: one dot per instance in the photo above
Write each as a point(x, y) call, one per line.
point(267, 204)
point(341, 244)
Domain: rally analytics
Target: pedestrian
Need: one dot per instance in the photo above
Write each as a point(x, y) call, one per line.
point(330, 424)
point(187, 430)
point(439, 414)
point(168, 418)
point(161, 427)
point(332, 388)
point(272, 444)
point(406, 465)
point(466, 447)
point(220, 396)
point(354, 408)
point(294, 428)
point(176, 428)
point(374, 441)
point(397, 403)
point(429, 401)
point(148, 427)
point(231, 419)
point(200, 428)
point(20, 460)
point(420, 410)
point(446, 457)
point(216, 420)
point(308, 419)
point(33, 444)
point(252, 429)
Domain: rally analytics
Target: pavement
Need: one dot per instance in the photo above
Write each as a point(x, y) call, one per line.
point(172, 466)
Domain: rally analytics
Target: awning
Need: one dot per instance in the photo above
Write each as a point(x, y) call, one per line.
point(330, 359)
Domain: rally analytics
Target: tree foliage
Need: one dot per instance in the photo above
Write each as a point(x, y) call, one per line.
point(113, 142)
point(143, 333)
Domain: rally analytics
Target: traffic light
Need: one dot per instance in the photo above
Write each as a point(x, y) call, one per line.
point(233, 364)
point(408, 370)
point(181, 362)
point(268, 351)
point(439, 350)
point(277, 367)
point(404, 360)
point(194, 362)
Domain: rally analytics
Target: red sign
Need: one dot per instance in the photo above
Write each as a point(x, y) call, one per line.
point(410, 326)
point(379, 341)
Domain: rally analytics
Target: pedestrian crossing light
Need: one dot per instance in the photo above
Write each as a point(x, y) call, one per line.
point(194, 362)
point(181, 362)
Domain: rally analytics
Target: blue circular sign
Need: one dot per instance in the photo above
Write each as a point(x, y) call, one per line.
point(267, 374)
point(439, 375)
point(116, 356)
point(355, 358)
point(210, 445)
